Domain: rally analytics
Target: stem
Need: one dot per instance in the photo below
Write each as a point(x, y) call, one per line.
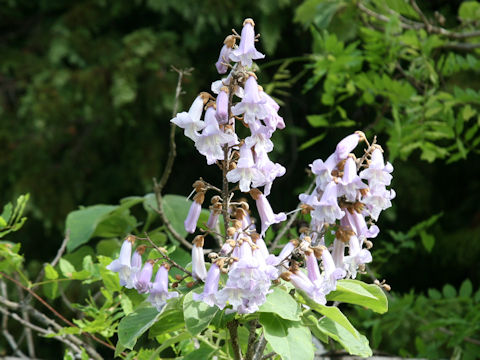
point(172, 153)
point(232, 328)
point(225, 191)
point(251, 340)
point(262, 343)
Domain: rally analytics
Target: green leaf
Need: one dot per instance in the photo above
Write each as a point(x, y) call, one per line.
point(317, 120)
point(82, 223)
point(469, 10)
point(290, 339)
point(330, 312)
point(66, 268)
point(355, 345)
point(449, 291)
point(312, 141)
point(434, 294)
point(132, 326)
point(167, 343)
point(428, 240)
point(282, 304)
point(312, 322)
point(357, 292)
point(203, 352)
point(466, 289)
point(50, 289)
point(171, 318)
point(197, 314)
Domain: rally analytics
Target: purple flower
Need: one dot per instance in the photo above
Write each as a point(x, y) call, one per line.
point(378, 199)
point(303, 283)
point(198, 261)
point(332, 273)
point(136, 266)
point(357, 223)
point(313, 270)
point(143, 281)
point(190, 222)
point(210, 142)
point(159, 293)
point(350, 183)
point(328, 210)
point(245, 173)
point(246, 51)
point(190, 121)
point(122, 265)
point(338, 253)
point(252, 106)
point(356, 256)
point(269, 169)
point(224, 57)
point(377, 172)
point(323, 171)
point(221, 111)
point(211, 286)
point(346, 145)
point(267, 216)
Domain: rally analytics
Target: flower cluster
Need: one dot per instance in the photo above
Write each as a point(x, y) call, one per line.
point(135, 276)
point(349, 195)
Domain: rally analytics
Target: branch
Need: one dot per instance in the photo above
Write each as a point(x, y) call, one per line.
point(269, 355)
point(166, 257)
point(232, 328)
point(172, 153)
point(10, 339)
point(55, 312)
point(289, 223)
point(161, 213)
point(415, 25)
point(251, 340)
point(262, 343)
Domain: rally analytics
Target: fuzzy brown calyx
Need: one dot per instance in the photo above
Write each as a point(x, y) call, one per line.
point(198, 241)
point(230, 41)
point(251, 73)
point(131, 239)
point(249, 21)
point(205, 96)
point(255, 193)
point(166, 266)
point(211, 103)
point(306, 209)
point(216, 199)
point(231, 231)
point(285, 275)
point(225, 89)
point(199, 198)
point(141, 249)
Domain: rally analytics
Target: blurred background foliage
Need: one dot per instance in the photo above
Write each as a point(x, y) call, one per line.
point(86, 95)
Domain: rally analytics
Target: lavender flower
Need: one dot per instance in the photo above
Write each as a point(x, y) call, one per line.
point(224, 57)
point(328, 210)
point(221, 111)
point(252, 106)
point(211, 286)
point(190, 222)
point(245, 173)
point(190, 121)
point(122, 265)
point(143, 281)
point(246, 51)
point(350, 182)
point(159, 293)
point(198, 261)
point(265, 211)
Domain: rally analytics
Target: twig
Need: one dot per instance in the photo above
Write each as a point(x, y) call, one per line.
point(262, 343)
point(172, 153)
point(269, 355)
point(161, 213)
point(166, 257)
point(251, 340)
point(232, 328)
point(414, 25)
point(420, 13)
point(10, 339)
point(55, 312)
point(289, 223)
point(27, 331)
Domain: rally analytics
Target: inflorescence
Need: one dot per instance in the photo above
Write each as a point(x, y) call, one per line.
point(349, 195)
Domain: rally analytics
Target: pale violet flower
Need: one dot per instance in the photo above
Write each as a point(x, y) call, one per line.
point(377, 172)
point(224, 57)
point(252, 106)
point(122, 265)
point(190, 222)
point(210, 142)
point(267, 216)
point(199, 270)
point(356, 256)
point(159, 293)
point(346, 145)
point(221, 112)
point(323, 171)
point(190, 121)
point(269, 169)
point(211, 286)
point(245, 173)
point(328, 210)
point(143, 281)
point(332, 273)
point(246, 51)
point(350, 183)
point(378, 199)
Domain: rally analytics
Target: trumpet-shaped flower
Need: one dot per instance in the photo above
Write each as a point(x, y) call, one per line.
point(190, 121)
point(159, 293)
point(246, 173)
point(246, 51)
